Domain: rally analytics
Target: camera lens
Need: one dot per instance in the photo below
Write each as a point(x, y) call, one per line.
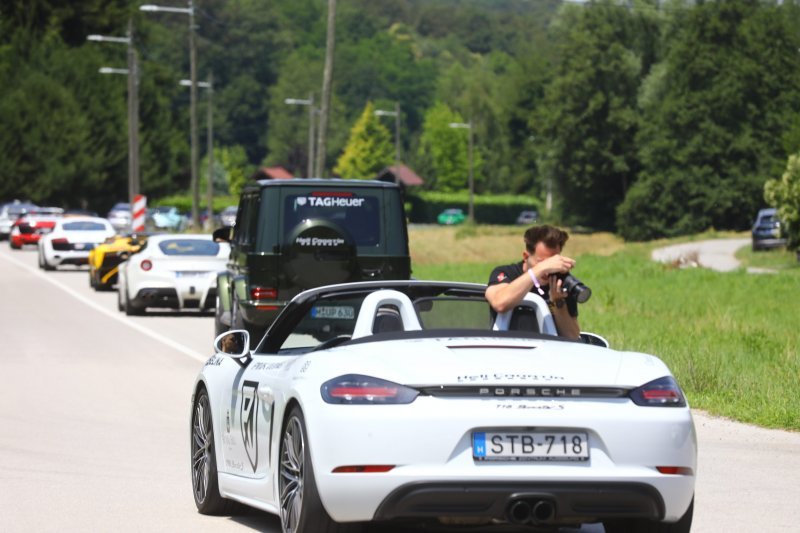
point(575, 288)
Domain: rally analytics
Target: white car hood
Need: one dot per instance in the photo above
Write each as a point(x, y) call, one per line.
point(491, 360)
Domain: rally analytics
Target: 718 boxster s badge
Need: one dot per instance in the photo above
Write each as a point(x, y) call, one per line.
point(396, 402)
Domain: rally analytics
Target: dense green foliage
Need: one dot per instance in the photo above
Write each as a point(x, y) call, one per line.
point(648, 118)
point(785, 192)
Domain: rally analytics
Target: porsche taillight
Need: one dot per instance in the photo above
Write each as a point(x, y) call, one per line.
point(366, 390)
point(662, 392)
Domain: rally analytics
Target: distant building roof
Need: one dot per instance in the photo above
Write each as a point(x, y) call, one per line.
point(402, 175)
point(272, 173)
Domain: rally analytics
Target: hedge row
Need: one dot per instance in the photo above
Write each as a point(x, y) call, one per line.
point(423, 207)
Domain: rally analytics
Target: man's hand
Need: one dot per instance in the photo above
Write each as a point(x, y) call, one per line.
point(556, 264)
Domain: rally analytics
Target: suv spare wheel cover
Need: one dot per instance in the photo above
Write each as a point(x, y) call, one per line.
point(320, 253)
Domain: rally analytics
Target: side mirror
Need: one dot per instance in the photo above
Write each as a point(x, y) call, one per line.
point(594, 339)
point(234, 343)
point(222, 235)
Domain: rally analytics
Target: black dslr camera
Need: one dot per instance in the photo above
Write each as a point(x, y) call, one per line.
point(575, 287)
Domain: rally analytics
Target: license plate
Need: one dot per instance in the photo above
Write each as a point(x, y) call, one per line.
point(190, 274)
point(82, 246)
point(334, 311)
point(530, 446)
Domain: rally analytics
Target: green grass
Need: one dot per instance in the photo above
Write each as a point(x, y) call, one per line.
point(730, 338)
point(777, 259)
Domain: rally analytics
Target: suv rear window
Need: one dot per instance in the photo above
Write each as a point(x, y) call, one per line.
point(358, 215)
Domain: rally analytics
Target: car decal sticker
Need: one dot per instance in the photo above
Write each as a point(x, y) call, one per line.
point(249, 421)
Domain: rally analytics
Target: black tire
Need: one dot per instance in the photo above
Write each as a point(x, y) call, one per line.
point(13, 246)
point(47, 267)
point(301, 510)
point(92, 280)
point(120, 303)
point(684, 525)
point(219, 327)
point(205, 480)
point(129, 308)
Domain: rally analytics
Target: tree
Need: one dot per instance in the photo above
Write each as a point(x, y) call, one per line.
point(443, 151)
point(588, 119)
point(784, 193)
point(715, 118)
point(369, 149)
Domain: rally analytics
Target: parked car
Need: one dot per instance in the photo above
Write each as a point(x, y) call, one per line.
point(120, 216)
point(227, 216)
point(450, 217)
point(71, 241)
point(175, 271)
point(28, 229)
point(105, 258)
point(166, 218)
point(398, 402)
point(767, 230)
point(527, 218)
point(291, 235)
point(9, 213)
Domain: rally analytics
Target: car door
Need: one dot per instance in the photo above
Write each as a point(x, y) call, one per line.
point(250, 417)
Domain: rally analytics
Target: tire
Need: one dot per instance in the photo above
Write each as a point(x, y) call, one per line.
point(684, 525)
point(120, 303)
point(92, 280)
point(205, 480)
point(13, 246)
point(45, 265)
point(301, 510)
point(219, 327)
point(129, 308)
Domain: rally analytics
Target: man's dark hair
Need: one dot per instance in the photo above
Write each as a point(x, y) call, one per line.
point(551, 236)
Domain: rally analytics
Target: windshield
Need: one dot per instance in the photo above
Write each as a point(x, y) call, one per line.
point(189, 247)
point(354, 215)
point(83, 225)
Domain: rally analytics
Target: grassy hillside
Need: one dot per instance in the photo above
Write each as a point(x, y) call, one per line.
point(730, 338)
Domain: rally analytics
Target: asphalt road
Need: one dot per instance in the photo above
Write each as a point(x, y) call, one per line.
point(94, 411)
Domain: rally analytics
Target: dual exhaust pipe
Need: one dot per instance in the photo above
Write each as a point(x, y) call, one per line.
point(531, 510)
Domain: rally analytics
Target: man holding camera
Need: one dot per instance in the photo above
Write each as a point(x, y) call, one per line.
point(538, 272)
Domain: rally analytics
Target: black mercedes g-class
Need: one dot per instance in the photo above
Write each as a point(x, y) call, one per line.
point(293, 235)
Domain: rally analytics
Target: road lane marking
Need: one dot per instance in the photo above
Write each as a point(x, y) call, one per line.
point(116, 316)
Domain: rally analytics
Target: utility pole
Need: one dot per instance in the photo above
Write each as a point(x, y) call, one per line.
point(210, 150)
point(327, 81)
point(134, 183)
point(195, 182)
point(134, 178)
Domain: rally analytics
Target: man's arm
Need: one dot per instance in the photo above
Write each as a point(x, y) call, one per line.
point(566, 324)
point(505, 296)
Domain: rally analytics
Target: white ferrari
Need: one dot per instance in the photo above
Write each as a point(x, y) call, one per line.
point(398, 403)
point(175, 271)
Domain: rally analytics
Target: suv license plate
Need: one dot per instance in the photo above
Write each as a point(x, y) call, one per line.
point(343, 312)
point(530, 446)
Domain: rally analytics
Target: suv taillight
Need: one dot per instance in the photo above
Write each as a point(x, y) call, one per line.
point(263, 293)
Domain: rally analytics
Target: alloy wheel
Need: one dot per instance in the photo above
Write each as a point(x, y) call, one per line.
point(202, 439)
point(291, 475)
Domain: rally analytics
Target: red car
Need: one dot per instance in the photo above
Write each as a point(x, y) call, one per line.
point(29, 229)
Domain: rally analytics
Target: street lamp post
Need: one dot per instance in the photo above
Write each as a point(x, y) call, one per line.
point(396, 115)
point(194, 184)
point(209, 86)
point(468, 126)
point(311, 110)
point(134, 183)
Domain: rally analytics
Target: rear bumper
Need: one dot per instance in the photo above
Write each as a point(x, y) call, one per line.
point(168, 298)
point(571, 502)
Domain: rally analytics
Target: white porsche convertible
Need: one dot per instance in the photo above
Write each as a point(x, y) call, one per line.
point(397, 402)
